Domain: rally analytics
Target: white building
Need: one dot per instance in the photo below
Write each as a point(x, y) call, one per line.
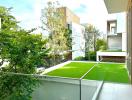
point(78, 41)
point(116, 39)
point(116, 33)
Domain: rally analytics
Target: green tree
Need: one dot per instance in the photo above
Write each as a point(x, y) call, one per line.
point(8, 21)
point(8, 26)
point(101, 44)
point(68, 36)
point(91, 35)
point(52, 21)
point(24, 52)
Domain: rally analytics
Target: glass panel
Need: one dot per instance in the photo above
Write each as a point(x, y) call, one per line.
point(91, 83)
point(88, 89)
point(57, 88)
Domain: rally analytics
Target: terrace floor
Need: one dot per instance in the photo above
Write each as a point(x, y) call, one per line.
point(114, 91)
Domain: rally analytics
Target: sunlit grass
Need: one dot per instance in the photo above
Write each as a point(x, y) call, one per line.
point(112, 72)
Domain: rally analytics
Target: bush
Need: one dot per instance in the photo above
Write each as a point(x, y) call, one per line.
point(90, 55)
point(80, 58)
point(101, 44)
point(68, 56)
point(50, 61)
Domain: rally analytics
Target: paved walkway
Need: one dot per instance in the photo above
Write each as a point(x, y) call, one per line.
point(113, 91)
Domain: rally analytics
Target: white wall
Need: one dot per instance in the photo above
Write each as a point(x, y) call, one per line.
point(121, 22)
point(114, 42)
point(124, 41)
point(121, 28)
point(78, 41)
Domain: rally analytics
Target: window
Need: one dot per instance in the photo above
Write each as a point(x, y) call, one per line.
point(113, 30)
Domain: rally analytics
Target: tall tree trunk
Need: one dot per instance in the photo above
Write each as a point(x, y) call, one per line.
point(94, 42)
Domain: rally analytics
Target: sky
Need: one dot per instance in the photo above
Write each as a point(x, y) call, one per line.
point(25, 11)
point(28, 12)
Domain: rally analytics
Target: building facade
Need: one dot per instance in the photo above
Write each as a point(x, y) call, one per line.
point(69, 16)
point(72, 22)
point(116, 33)
point(78, 41)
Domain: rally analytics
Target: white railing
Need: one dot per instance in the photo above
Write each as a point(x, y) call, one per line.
point(112, 33)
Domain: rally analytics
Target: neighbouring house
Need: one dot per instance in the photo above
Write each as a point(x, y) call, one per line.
point(78, 41)
point(116, 40)
point(124, 6)
point(72, 22)
point(69, 16)
point(116, 33)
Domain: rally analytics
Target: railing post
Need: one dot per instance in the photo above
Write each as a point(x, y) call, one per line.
point(80, 89)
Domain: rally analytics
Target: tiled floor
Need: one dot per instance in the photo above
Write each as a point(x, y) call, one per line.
point(113, 91)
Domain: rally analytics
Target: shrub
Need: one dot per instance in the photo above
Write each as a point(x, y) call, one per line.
point(90, 55)
point(80, 58)
point(50, 61)
point(68, 56)
point(101, 44)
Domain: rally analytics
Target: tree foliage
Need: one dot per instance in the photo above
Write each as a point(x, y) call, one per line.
point(101, 44)
point(8, 21)
point(91, 35)
point(52, 21)
point(24, 52)
point(68, 36)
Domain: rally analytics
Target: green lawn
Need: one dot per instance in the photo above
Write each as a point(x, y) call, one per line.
point(112, 72)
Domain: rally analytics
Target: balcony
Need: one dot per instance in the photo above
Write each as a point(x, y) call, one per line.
point(65, 85)
point(116, 6)
point(111, 33)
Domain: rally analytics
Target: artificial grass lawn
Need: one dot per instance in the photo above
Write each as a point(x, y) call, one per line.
point(73, 70)
point(112, 72)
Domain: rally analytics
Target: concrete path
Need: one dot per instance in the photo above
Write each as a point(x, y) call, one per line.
point(113, 91)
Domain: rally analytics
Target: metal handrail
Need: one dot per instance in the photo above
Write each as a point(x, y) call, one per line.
point(38, 75)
